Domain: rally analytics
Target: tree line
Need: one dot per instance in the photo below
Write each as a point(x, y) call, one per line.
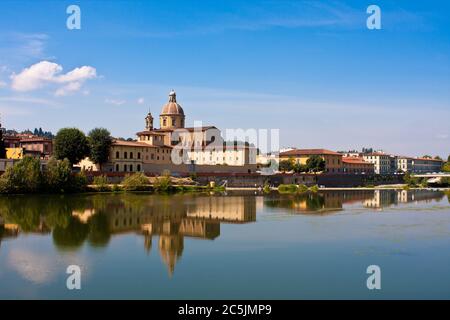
point(314, 163)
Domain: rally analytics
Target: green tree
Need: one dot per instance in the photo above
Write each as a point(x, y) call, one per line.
point(427, 156)
point(99, 144)
point(58, 176)
point(24, 177)
point(448, 158)
point(286, 165)
point(446, 167)
point(71, 143)
point(437, 158)
point(298, 167)
point(315, 163)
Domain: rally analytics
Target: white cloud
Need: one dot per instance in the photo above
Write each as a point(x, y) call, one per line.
point(140, 101)
point(115, 102)
point(45, 72)
point(2, 84)
point(67, 89)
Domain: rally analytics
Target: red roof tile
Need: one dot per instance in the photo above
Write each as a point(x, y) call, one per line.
point(301, 152)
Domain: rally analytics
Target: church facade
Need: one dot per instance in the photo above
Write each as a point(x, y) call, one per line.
point(176, 148)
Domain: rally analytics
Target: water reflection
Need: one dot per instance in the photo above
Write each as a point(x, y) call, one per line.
point(329, 202)
point(73, 221)
point(76, 220)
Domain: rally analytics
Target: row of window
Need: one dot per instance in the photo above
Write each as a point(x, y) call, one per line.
point(125, 155)
point(127, 168)
point(174, 122)
point(130, 155)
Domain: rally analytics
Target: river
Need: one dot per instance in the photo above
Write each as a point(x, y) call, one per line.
point(227, 246)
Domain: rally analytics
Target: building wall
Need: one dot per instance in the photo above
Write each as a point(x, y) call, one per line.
point(14, 153)
point(382, 163)
point(426, 165)
point(333, 163)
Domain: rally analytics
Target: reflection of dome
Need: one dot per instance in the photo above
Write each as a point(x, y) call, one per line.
point(171, 248)
point(172, 107)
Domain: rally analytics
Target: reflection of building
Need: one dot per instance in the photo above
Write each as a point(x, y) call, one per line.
point(232, 209)
point(172, 220)
point(385, 198)
point(329, 201)
point(381, 198)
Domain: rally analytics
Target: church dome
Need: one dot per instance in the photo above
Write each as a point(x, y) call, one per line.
point(172, 107)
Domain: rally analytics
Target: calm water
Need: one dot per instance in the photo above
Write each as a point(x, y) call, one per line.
point(227, 246)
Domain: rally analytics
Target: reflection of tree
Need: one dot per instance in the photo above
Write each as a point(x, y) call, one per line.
point(99, 233)
point(22, 211)
point(71, 236)
point(302, 202)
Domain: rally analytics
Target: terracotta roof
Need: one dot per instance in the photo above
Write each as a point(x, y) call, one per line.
point(36, 140)
point(428, 159)
point(152, 132)
point(136, 144)
point(190, 129)
point(301, 152)
point(172, 107)
point(355, 160)
point(376, 154)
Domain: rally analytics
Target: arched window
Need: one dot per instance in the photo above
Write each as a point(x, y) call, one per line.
point(125, 155)
point(174, 122)
point(117, 155)
point(125, 168)
point(117, 168)
point(131, 155)
point(139, 155)
point(139, 167)
point(164, 122)
point(131, 168)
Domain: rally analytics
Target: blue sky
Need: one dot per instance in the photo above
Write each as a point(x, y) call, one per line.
point(310, 68)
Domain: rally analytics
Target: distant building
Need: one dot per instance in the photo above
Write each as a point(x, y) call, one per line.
point(174, 144)
point(31, 145)
point(426, 165)
point(404, 164)
point(333, 160)
point(357, 165)
point(381, 161)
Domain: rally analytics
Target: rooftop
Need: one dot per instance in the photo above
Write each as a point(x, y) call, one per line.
point(302, 152)
point(135, 144)
point(355, 160)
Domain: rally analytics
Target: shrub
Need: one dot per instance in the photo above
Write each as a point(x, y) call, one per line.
point(163, 182)
point(302, 188)
point(116, 188)
point(314, 189)
point(58, 175)
point(24, 177)
point(266, 188)
point(135, 182)
point(78, 182)
point(101, 183)
point(287, 188)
